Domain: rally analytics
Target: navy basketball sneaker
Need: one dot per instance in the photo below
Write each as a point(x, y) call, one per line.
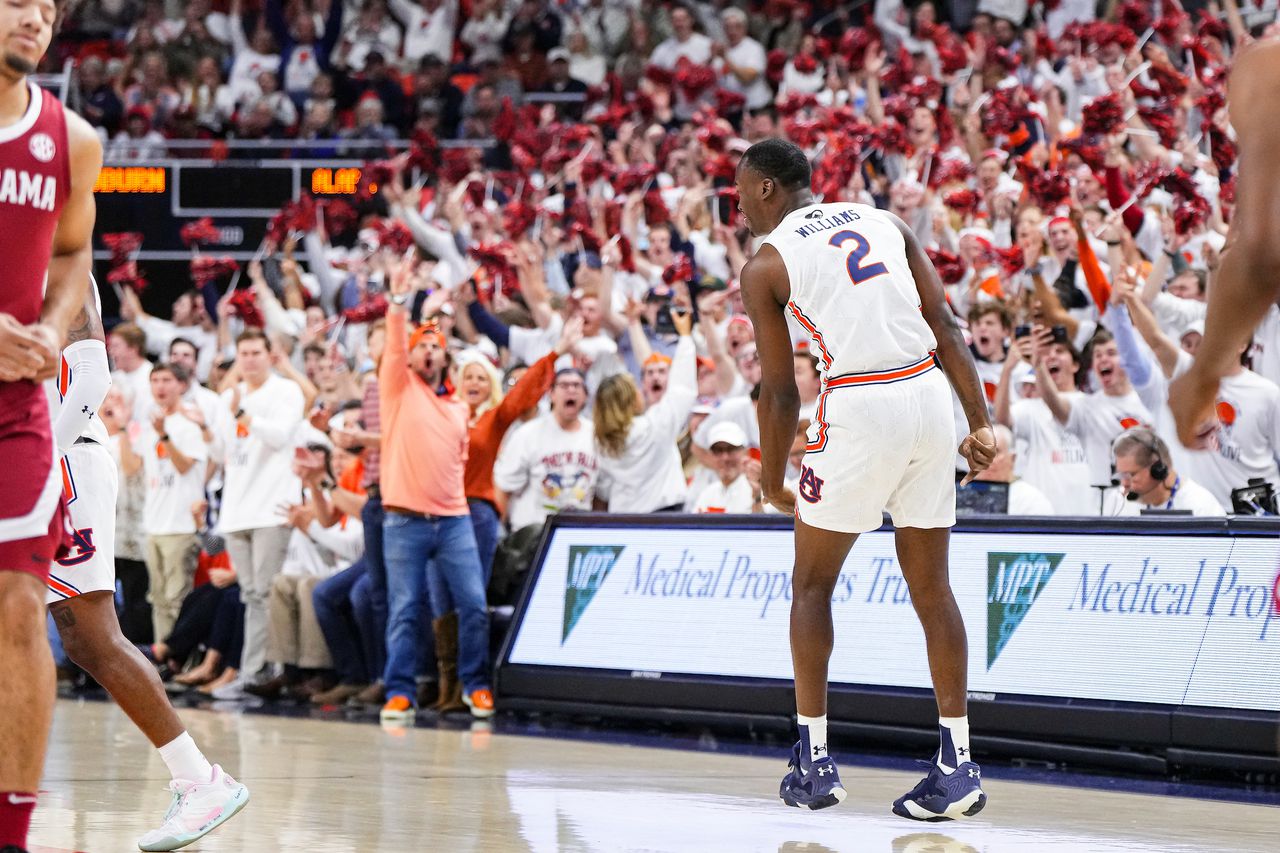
point(942, 796)
point(815, 787)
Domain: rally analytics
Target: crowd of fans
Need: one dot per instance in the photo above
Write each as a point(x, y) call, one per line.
point(569, 334)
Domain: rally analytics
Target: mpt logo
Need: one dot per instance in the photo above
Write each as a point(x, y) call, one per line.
point(1014, 582)
point(589, 565)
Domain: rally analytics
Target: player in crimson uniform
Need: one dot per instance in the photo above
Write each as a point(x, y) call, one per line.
point(49, 160)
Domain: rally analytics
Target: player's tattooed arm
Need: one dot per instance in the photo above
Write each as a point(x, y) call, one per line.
point(87, 325)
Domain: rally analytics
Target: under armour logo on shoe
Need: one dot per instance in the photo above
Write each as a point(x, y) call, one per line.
point(825, 769)
point(974, 773)
point(819, 750)
point(962, 751)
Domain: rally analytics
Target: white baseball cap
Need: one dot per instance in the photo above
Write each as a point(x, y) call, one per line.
point(727, 432)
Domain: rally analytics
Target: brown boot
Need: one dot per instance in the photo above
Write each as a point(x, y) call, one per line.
point(373, 695)
point(446, 631)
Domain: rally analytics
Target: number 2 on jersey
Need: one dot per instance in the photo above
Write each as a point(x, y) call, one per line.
point(858, 273)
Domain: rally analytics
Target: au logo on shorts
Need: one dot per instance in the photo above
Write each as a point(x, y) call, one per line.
point(810, 485)
point(82, 548)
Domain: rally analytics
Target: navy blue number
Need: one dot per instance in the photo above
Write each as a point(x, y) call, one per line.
point(858, 273)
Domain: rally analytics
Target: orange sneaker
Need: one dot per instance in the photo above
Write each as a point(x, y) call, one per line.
point(399, 710)
point(480, 702)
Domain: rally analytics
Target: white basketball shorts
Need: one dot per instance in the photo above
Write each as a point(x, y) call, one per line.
point(882, 441)
point(90, 481)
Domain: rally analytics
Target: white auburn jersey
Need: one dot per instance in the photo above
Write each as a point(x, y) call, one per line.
point(853, 291)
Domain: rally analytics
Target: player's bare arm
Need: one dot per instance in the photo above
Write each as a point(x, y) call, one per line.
point(72, 260)
point(979, 447)
point(765, 291)
point(1248, 280)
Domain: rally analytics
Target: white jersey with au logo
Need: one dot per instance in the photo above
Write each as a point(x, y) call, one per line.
point(852, 288)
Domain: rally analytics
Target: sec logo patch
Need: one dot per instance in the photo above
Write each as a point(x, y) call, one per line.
point(42, 147)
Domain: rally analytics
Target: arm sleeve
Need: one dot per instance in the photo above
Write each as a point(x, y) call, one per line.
point(670, 413)
point(437, 241)
point(526, 393)
point(1094, 277)
point(488, 325)
point(274, 14)
point(332, 32)
point(345, 541)
point(393, 373)
point(87, 363)
point(403, 10)
point(510, 473)
point(1135, 357)
point(1118, 196)
point(235, 26)
point(319, 264)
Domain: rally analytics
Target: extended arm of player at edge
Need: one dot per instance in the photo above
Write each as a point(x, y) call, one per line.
point(765, 290)
point(72, 260)
point(952, 352)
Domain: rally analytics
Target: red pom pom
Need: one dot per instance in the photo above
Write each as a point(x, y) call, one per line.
point(627, 256)
point(1223, 151)
point(655, 209)
point(122, 244)
point(504, 123)
point(728, 102)
point(963, 200)
point(1168, 81)
point(805, 63)
point(367, 311)
point(1190, 214)
point(1092, 155)
point(1160, 119)
point(658, 75)
point(393, 235)
point(693, 79)
point(949, 266)
point(206, 269)
point(202, 232)
point(339, 216)
point(244, 304)
point(128, 275)
point(949, 171)
point(1135, 16)
point(494, 258)
point(517, 218)
point(424, 151)
point(1049, 189)
point(633, 178)
point(1009, 260)
point(1211, 27)
point(1103, 115)
point(681, 269)
point(775, 64)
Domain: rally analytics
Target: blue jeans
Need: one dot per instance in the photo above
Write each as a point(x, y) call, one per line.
point(484, 521)
point(335, 612)
point(436, 554)
point(373, 620)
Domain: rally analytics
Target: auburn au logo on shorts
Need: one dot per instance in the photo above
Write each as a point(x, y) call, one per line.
point(810, 485)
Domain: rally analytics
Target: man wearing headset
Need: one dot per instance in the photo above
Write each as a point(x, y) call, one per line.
point(1148, 481)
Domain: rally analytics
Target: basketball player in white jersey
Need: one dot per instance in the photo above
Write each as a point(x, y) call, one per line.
point(81, 593)
point(883, 439)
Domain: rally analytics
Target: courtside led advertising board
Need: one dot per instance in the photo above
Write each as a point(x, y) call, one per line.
point(1171, 620)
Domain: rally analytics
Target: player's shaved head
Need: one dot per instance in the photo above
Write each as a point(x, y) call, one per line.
point(773, 178)
point(782, 161)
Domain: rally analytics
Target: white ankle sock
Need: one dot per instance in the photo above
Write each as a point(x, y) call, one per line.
point(185, 760)
point(953, 749)
point(813, 737)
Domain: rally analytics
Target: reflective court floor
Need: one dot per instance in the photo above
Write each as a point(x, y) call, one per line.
point(339, 786)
